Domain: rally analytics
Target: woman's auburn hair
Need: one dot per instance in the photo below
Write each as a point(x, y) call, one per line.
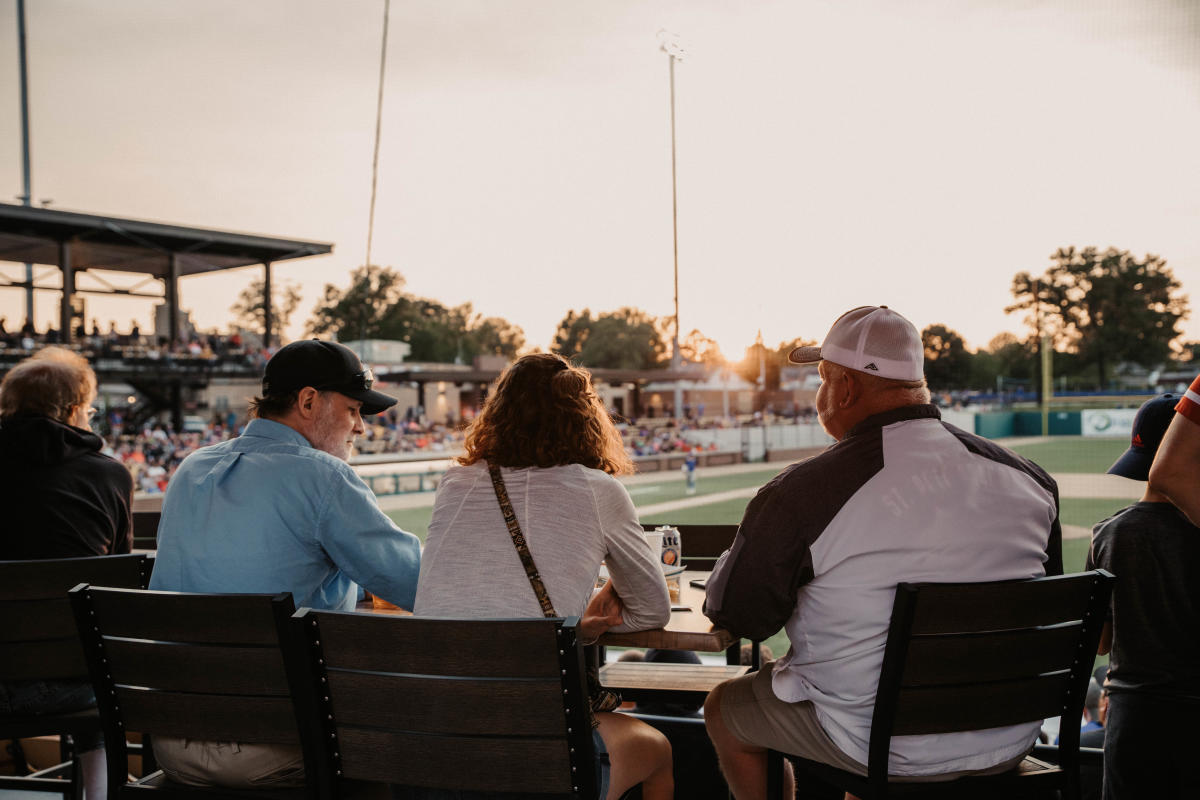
point(544, 412)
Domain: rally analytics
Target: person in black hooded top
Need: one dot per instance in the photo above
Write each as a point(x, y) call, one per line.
point(61, 497)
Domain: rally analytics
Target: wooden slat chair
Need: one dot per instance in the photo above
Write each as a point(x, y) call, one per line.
point(200, 666)
point(145, 530)
point(466, 705)
point(38, 642)
point(971, 656)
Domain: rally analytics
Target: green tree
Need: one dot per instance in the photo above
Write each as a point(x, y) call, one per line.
point(760, 361)
point(699, 349)
point(361, 310)
point(1008, 357)
point(375, 306)
point(572, 334)
point(627, 338)
point(947, 362)
point(1107, 306)
point(495, 336)
point(248, 308)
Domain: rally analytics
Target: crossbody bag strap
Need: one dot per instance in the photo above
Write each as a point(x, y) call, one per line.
point(518, 538)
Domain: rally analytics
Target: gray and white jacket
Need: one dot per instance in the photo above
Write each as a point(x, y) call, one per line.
point(902, 497)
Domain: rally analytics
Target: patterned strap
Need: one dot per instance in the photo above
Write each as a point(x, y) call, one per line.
point(518, 538)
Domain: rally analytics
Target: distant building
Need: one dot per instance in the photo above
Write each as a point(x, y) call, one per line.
point(384, 352)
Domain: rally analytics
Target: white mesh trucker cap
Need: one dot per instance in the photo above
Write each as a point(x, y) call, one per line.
point(870, 339)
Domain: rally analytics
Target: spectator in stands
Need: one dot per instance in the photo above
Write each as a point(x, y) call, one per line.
point(545, 442)
point(1177, 466)
point(901, 496)
point(61, 499)
point(1092, 720)
point(1093, 736)
point(279, 509)
point(746, 654)
point(1154, 670)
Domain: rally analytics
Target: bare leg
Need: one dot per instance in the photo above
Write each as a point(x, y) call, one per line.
point(744, 765)
point(95, 774)
point(638, 754)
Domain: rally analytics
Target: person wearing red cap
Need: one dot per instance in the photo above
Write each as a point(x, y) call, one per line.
point(1176, 470)
point(901, 496)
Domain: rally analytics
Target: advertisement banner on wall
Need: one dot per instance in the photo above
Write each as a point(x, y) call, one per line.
point(1112, 422)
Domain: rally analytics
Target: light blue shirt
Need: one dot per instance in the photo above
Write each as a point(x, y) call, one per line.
point(266, 512)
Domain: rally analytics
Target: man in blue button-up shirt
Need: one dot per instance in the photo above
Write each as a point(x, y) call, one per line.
point(279, 509)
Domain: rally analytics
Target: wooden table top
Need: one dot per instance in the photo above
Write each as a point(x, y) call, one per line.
point(637, 677)
point(687, 630)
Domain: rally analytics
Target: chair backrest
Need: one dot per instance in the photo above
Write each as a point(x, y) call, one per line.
point(970, 656)
point(472, 705)
point(702, 544)
point(200, 666)
point(145, 529)
point(37, 636)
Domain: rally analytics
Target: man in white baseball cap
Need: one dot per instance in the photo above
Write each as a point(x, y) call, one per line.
point(901, 496)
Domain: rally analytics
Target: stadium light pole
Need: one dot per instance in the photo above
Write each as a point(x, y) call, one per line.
point(27, 197)
point(669, 44)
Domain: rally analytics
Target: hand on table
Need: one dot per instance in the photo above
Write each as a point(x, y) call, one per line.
point(602, 613)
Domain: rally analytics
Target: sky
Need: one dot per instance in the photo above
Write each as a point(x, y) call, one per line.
point(830, 153)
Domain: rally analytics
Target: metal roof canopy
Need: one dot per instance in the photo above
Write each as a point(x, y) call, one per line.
point(76, 242)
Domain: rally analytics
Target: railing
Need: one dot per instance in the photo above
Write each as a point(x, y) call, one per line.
point(404, 482)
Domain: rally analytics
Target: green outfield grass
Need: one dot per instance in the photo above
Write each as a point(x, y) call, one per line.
point(719, 513)
point(1073, 453)
point(672, 486)
point(1087, 511)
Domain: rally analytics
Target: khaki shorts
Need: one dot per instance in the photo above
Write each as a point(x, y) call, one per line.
point(230, 764)
point(756, 716)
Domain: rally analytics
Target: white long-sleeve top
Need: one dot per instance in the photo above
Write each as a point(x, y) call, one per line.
point(572, 518)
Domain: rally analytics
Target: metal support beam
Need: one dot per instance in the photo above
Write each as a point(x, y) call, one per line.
point(172, 294)
point(176, 406)
point(268, 322)
point(68, 289)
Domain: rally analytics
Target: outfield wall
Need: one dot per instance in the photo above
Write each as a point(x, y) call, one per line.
point(1104, 422)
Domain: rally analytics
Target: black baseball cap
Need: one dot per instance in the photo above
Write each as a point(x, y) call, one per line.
point(325, 366)
point(1149, 427)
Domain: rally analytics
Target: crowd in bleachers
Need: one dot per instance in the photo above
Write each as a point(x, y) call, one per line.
point(134, 345)
point(153, 454)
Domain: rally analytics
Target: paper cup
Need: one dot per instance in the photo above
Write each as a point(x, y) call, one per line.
point(654, 539)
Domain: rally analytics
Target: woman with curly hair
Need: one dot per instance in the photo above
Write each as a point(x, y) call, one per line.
point(547, 436)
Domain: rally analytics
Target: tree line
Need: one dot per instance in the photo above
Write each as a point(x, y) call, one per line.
point(1099, 308)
